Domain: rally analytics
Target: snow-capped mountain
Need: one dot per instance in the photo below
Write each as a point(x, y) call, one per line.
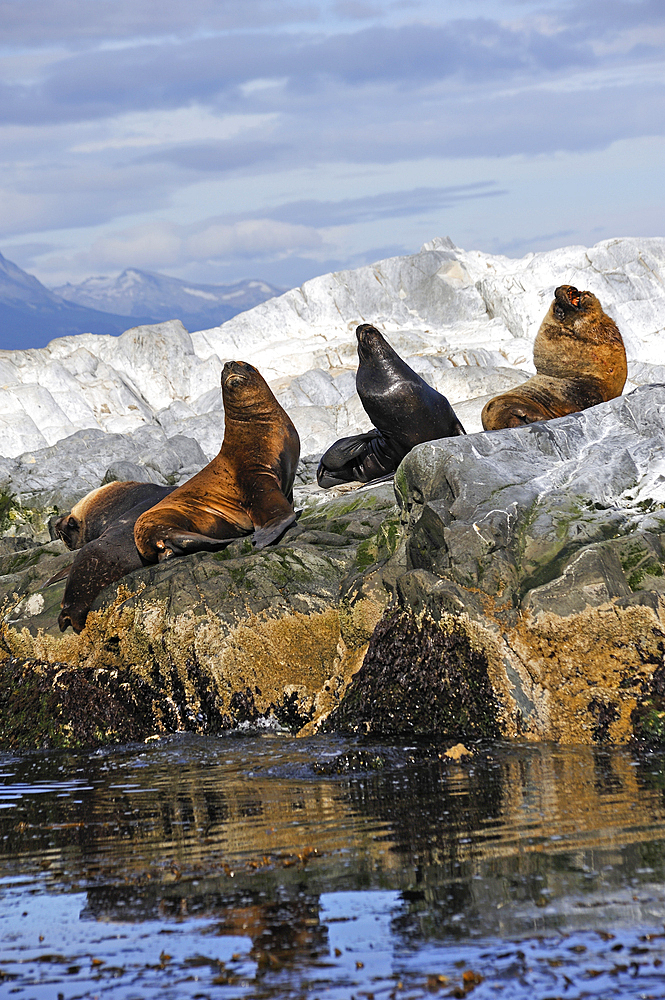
point(31, 315)
point(136, 293)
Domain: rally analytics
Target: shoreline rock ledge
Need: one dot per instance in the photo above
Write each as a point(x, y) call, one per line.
point(516, 589)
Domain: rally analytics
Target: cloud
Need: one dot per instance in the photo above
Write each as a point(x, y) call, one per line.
point(102, 83)
point(220, 157)
point(278, 232)
point(165, 244)
point(116, 109)
point(390, 205)
point(40, 22)
point(63, 196)
point(24, 254)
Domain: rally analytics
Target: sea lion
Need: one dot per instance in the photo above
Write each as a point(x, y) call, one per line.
point(101, 562)
point(247, 487)
point(91, 516)
point(580, 360)
point(404, 409)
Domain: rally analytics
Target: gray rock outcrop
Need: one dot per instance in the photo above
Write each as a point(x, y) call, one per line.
point(549, 543)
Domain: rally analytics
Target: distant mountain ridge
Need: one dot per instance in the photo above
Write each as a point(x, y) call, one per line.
point(31, 315)
point(146, 293)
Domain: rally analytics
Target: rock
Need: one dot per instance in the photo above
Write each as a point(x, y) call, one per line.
point(200, 643)
point(442, 690)
point(545, 546)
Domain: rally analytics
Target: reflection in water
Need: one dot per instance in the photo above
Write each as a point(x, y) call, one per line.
point(198, 865)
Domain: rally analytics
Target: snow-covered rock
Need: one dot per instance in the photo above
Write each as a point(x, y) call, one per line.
point(464, 319)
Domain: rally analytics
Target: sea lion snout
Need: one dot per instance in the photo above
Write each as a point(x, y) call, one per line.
point(569, 296)
point(366, 334)
point(370, 341)
point(68, 528)
point(235, 372)
point(70, 616)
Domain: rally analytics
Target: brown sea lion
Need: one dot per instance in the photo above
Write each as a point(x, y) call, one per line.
point(247, 487)
point(91, 516)
point(580, 360)
point(101, 562)
point(404, 409)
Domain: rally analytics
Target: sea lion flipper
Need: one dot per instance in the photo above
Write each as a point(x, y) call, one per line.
point(183, 543)
point(272, 531)
point(344, 461)
point(62, 574)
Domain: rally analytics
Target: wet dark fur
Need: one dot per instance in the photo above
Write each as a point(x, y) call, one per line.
point(404, 409)
point(101, 562)
point(92, 515)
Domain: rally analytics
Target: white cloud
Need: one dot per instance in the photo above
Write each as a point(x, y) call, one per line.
point(165, 244)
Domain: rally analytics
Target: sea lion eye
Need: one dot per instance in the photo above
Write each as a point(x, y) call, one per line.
point(559, 312)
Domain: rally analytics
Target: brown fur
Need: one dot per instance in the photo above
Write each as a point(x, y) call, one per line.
point(580, 361)
point(247, 487)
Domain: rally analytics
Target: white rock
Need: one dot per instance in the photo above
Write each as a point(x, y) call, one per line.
point(464, 319)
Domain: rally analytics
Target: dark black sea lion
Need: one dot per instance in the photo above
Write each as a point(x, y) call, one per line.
point(580, 361)
point(247, 487)
point(101, 562)
point(91, 516)
point(404, 409)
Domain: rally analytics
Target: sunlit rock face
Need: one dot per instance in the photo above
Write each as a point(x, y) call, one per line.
point(466, 321)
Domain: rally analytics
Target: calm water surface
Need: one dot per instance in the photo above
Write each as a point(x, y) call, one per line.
point(247, 866)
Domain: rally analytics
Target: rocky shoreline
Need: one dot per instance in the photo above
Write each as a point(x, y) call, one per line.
point(508, 584)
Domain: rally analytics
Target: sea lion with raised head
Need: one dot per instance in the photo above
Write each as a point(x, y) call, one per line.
point(102, 561)
point(580, 361)
point(247, 487)
point(91, 516)
point(404, 409)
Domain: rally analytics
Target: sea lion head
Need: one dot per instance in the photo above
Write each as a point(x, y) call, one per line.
point(569, 303)
point(245, 392)
point(372, 344)
point(69, 529)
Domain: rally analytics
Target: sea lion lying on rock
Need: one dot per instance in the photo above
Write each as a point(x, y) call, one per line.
point(404, 409)
point(102, 561)
point(247, 487)
point(580, 361)
point(91, 516)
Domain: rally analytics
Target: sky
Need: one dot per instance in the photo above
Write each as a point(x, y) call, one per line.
point(280, 139)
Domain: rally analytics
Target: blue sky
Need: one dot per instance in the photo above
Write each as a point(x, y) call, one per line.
point(219, 139)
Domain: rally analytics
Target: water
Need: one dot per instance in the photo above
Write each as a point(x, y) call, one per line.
point(247, 866)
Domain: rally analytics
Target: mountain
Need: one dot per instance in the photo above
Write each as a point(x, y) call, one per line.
point(144, 293)
point(31, 315)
